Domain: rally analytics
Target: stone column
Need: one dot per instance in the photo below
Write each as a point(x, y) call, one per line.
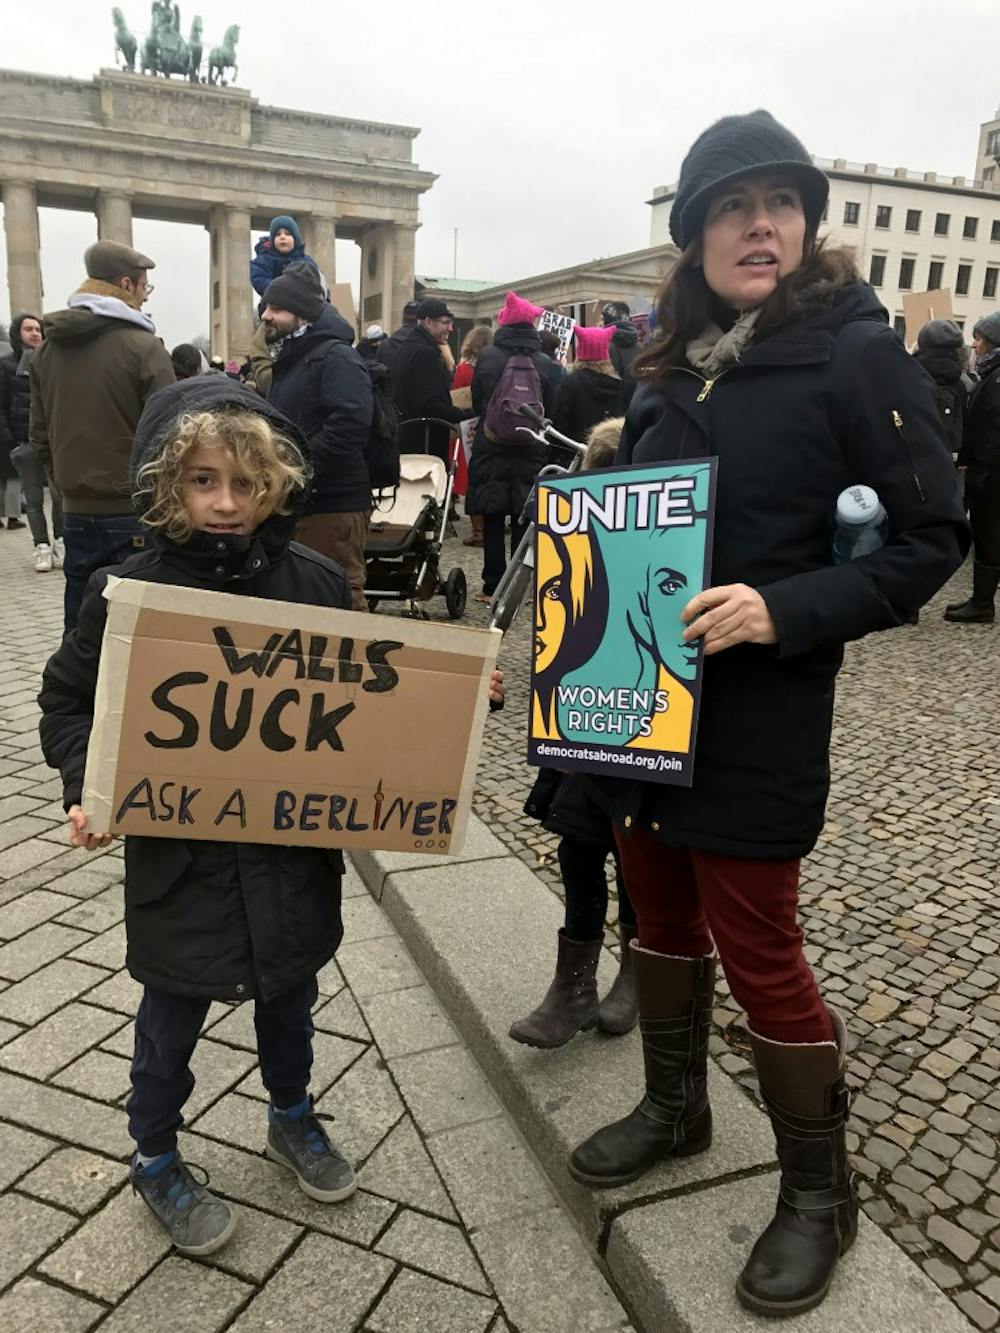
point(238, 294)
point(322, 246)
point(377, 267)
point(114, 217)
point(20, 223)
point(403, 267)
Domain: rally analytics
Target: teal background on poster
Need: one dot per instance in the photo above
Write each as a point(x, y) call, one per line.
point(608, 607)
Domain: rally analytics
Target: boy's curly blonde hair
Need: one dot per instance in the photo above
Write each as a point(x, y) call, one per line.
point(602, 443)
point(271, 460)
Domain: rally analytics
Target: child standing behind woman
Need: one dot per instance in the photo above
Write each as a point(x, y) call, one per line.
point(218, 475)
point(570, 805)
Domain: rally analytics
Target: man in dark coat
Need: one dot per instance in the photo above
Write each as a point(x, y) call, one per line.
point(90, 380)
point(321, 383)
point(980, 456)
point(421, 382)
point(501, 475)
point(388, 349)
point(15, 421)
point(624, 345)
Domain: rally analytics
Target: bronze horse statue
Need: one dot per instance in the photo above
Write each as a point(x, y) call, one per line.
point(223, 57)
point(125, 43)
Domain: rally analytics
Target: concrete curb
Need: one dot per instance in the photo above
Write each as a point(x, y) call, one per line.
point(482, 928)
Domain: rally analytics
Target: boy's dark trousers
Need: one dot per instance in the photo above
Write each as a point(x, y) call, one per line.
point(166, 1031)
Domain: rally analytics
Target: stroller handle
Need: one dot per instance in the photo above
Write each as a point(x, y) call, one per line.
point(429, 421)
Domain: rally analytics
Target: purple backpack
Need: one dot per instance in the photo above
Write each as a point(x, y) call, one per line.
point(520, 383)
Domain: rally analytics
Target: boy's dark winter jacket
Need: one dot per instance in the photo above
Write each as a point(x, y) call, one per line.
point(830, 399)
point(321, 383)
point(501, 475)
point(218, 920)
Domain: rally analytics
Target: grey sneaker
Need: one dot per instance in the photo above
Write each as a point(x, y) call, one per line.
point(303, 1146)
point(195, 1220)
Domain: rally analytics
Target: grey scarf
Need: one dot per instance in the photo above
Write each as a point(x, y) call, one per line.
point(712, 351)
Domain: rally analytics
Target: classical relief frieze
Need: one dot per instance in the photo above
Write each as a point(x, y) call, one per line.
point(163, 110)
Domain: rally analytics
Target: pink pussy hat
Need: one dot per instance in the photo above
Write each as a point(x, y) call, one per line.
point(518, 311)
point(593, 344)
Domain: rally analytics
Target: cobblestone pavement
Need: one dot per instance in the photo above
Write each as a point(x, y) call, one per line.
point(900, 905)
point(901, 908)
point(423, 1247)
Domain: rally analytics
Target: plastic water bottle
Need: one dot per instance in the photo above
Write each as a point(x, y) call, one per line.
point(861, 524)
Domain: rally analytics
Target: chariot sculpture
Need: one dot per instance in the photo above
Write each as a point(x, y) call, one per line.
point(165, 51)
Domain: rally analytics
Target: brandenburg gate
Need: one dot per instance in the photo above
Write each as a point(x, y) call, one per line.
point(130, 146)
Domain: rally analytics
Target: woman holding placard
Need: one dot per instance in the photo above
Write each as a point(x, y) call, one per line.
point(777, 359)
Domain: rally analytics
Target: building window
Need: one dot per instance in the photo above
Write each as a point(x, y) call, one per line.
point(913, 219)
point(934, 275)
point(990, 282)
point(883, 215)
point(993, 142)
point(969, 228)
point(941, 224)
point(963, 279)
point(906, 274)
point(961, 324)
point(851, 214)
point(876, 275)
point(995, 231)
point(826, 212)
point(899, 324)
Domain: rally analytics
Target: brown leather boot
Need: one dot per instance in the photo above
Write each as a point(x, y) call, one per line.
point(619, 1011)
point(791, 1266)
point(673, 1119)
point(475, 538)
point(570, 1004)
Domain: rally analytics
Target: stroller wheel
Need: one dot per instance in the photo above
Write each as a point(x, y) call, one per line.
point(372, 603)
point(455, 593)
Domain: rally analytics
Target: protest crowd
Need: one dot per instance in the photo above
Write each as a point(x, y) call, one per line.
point(767, 353)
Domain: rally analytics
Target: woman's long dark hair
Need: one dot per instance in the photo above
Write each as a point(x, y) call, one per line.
point(686, 303)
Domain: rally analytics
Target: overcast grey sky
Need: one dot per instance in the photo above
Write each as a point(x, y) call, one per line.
point(548, 124)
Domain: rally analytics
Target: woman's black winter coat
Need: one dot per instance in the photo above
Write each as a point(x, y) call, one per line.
point(981, 441)
point(583, 398)
point(217, 920)
point(501, 475)
point(828, 400)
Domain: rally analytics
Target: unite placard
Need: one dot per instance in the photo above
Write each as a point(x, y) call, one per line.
point(619, 552)
point(239, 719)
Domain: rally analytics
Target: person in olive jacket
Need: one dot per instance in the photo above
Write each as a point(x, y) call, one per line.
point(90, 379)
point(778, 361)
point(980, 456)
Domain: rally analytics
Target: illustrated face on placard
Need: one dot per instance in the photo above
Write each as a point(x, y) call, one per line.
point(673, 576)
point(551, 602)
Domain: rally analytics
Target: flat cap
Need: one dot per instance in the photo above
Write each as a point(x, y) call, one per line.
point(110, 259)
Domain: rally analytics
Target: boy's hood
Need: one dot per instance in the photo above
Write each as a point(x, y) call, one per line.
point(201, 393)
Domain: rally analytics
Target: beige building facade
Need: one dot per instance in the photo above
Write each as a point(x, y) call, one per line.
point(579, 291)
point(126, 145)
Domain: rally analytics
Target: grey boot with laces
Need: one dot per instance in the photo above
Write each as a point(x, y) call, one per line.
point(196, 1221)
point(297, 1140)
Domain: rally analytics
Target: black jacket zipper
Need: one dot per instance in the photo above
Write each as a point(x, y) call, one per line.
point(897, 421)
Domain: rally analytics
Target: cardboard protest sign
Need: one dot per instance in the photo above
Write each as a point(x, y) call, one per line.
point(618, 555)
point(919, 307)
point(243, 720)
point(561, 326)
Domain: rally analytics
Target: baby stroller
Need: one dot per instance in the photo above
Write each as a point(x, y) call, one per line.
point(407, 531)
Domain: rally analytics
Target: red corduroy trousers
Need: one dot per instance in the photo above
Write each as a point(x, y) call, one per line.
point(686, 898)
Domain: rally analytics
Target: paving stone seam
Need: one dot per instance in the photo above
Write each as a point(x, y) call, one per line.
point(32, 1269)
point(619, 1210)
point(256, 1288)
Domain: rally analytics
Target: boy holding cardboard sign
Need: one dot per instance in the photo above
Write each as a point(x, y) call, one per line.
point(217, 477)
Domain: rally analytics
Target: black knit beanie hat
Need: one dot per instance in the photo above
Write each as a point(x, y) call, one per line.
point(299, 289)
point(732, 148)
